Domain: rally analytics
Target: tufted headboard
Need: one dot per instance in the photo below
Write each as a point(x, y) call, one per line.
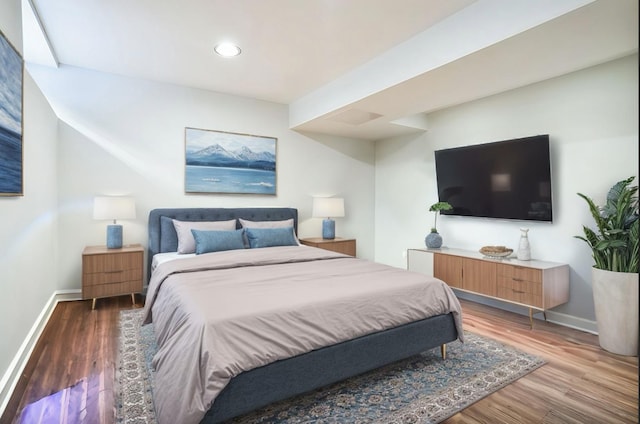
point(163, 237)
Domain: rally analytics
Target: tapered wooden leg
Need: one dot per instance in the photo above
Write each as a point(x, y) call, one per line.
point(531, 317)
point(93, 304)
point(544, 314)
point(133, 298)
point(443, 351)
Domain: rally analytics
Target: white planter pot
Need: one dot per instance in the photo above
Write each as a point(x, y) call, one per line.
point(615, 296)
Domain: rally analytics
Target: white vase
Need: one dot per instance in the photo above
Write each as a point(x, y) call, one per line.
point(524, 249)
point(615, 297)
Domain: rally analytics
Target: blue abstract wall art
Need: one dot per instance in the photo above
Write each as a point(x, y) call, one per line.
point(11, 80)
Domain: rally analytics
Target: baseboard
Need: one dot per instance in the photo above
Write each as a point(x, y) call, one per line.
point(19, 362)
point(565, 320)
point(570, 321)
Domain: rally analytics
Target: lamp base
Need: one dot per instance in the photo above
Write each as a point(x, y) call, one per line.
point(328, 229)
point(114, 236)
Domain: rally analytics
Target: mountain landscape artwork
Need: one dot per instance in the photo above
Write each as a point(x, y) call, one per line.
point(10, 119)
point(224, 162)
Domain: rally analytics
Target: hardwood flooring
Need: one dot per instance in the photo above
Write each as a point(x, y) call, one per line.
point(77, 343)
point(580, 383)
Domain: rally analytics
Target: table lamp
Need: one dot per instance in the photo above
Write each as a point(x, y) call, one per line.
point(114, 207)
point(327, 208)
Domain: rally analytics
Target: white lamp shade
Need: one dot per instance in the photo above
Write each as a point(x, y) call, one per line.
point(114, 207)
point(328, 207)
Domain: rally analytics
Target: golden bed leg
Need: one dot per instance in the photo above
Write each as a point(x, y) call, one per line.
point(133, 298)
point(93, 304)
point(443, 351)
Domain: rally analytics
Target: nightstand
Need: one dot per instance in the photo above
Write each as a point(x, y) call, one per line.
point(111, 272)
point(340, 245)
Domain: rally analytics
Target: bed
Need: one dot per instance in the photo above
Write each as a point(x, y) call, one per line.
point(240, 328)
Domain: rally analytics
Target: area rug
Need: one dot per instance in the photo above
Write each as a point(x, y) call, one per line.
point(422, 389)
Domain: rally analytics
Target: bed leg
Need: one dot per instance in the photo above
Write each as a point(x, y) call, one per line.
point(443, 350)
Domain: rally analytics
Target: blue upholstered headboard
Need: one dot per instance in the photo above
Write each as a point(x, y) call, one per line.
point(163, 237)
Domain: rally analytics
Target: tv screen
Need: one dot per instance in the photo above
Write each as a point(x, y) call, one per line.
point(508, 179)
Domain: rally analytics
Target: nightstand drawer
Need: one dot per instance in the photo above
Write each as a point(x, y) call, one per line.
point(115, 289)
point(111, 277)
point(111, 263)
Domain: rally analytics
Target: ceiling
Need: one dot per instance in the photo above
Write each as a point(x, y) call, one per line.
point(355, 68)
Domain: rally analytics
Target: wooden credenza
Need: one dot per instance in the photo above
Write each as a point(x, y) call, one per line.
point(537, 285)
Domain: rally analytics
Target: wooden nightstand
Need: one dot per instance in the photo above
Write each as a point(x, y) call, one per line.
point(111, 272)
point(340, 245)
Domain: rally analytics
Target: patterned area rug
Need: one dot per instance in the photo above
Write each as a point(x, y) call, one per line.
point(422, 389)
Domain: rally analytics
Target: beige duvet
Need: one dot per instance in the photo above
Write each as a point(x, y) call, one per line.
point(219, 314)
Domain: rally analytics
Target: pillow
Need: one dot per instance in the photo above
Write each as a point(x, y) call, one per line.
point(265, 224)
point(268, 224)
point(186, 243)
point(269, 237)
point(217, 241)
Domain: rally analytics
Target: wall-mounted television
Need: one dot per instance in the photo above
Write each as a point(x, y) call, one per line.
point(509, 179)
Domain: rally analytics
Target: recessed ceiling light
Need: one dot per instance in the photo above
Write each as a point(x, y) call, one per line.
point(227, 49)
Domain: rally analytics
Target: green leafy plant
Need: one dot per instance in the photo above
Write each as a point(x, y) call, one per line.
point(615, 242)
point(437, 207)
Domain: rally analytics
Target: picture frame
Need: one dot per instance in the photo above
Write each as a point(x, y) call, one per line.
point(11, 122)
point(227, 162)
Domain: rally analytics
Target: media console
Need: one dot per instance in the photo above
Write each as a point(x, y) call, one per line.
point(537, 285)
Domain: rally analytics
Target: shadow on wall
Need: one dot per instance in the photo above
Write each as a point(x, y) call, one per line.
point(347, 146)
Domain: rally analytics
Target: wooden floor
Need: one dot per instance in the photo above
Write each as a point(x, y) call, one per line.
point(580, 383)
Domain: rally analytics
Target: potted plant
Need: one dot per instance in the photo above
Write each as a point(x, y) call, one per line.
point(614, 245)
point(434, 239)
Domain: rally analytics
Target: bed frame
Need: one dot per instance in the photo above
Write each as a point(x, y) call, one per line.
point(286, 378)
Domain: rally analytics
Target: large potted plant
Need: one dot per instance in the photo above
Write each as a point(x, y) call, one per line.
point(614, 244)
point(434, 239)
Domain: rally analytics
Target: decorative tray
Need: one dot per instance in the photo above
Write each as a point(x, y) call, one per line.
point(496, 251)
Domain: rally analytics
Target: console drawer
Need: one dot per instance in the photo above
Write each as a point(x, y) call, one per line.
point(521, 291)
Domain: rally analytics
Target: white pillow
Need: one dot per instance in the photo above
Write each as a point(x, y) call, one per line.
point(269, 224)
point(186, 242)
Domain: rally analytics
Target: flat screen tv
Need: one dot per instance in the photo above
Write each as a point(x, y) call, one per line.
point(508, 179)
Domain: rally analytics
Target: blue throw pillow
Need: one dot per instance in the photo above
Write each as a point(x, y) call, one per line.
point(270, 237)
point(217, 241)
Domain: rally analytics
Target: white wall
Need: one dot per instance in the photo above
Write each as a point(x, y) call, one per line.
point(592, 119)
point(126, 136)
point(28, 225)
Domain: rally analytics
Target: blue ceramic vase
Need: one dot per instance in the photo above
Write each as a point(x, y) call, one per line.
point(433, 240)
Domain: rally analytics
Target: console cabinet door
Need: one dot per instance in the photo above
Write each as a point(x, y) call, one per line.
point(448, 268)
point(479, 276)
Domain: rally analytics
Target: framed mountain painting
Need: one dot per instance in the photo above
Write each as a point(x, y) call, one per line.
point(225, 162)
point(11, 72)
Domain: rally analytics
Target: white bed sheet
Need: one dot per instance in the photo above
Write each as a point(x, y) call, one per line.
point(160, 258)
